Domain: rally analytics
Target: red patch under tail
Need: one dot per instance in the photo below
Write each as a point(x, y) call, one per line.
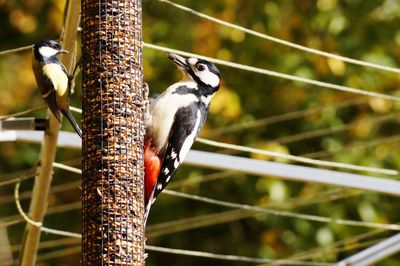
point(152, 166)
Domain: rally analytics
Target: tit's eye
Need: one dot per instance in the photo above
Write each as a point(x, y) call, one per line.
point(200, 67)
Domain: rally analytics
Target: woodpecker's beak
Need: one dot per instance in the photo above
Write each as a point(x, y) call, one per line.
point(179, 61)
point(63, 51)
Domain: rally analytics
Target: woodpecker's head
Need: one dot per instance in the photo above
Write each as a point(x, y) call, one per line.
point(199, 70)
point(47, 49)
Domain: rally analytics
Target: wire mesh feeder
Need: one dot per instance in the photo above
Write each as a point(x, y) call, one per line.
point(113, 108)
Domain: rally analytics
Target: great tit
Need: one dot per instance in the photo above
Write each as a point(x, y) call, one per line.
point(52, 79)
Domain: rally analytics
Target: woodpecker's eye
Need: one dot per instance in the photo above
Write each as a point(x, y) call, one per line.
point(200, 67)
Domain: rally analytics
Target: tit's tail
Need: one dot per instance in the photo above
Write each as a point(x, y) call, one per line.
point(50, 98)
point(71, 119)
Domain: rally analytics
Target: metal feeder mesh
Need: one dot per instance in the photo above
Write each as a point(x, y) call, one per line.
point(113, 109)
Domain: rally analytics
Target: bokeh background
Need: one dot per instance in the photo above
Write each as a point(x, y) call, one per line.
point(338, 126)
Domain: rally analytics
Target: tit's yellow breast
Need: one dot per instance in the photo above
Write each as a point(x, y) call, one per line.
point(58, 77)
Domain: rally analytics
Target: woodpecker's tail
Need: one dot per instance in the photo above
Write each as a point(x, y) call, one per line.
point(146, 213)
point(71, 119)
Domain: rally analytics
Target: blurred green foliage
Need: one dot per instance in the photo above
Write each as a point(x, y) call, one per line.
point(365, 30)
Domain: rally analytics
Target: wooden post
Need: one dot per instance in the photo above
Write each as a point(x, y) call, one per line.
point(38, 206)
point(113, 113)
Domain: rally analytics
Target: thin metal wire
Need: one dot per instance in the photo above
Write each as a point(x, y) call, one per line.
point(26, 174)
point(15, 50)
point(257, 34)
point(105, 158)
point(297, 158)
point(282, 117)
point(4, 117)
point(277, 155)
point(51, 243)
point(67, 168)
point(283, 42)
point(163, 249)
point(374, 253)
point(59, 253)
point(55, 189)
point(11, 222)
point(345, 248)
point(335, 129)
point(226, 257)
point(369, 144)
point(123, 181)
point(209, 255)
point(192, 253)
point(38, 224)
point(16, 219)
point(314, 218)
point(130, 248)
point(341, 243)
point(271, 73)
point(86, 241)
point(50, 255)
point(276, 74)
point(202, 179)
point(112, 159)
point(201, 221)
point(75, 109)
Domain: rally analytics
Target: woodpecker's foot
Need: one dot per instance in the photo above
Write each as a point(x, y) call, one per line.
point(146, 100)
point(145, 91)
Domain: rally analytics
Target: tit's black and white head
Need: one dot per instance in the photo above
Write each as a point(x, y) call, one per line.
point(201, 71)
point(47, 50)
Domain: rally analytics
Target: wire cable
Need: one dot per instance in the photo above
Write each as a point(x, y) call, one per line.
point(297, 158)
point(395, 227)
point(343, 242)
point(209, 255)
point(283, 42)
point(21, 175)
point(17, 219)
point(282, 117)
point(201, 179)
point(369, 144)
point(38, 224)
point(15, 50)
point(276, 74)
point(345, 248)
point(50, 255)
point(273, 154)
point(257, 34)
point(75, 109)
point(55, 189)
point(167, 250)
point(335, 129)
point(67, 168)
point(4, 117)
point(201, 221)
point(51, 243)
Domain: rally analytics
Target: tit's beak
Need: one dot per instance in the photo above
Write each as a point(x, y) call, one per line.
point(63, 51)
point(179, 61)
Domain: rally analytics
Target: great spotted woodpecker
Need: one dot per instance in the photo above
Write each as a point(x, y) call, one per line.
point(175, 119)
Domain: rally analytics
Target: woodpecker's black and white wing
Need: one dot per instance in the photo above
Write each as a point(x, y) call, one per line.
point(187, 123)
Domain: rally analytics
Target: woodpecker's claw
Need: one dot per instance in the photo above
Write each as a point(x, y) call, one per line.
point(147, 116)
